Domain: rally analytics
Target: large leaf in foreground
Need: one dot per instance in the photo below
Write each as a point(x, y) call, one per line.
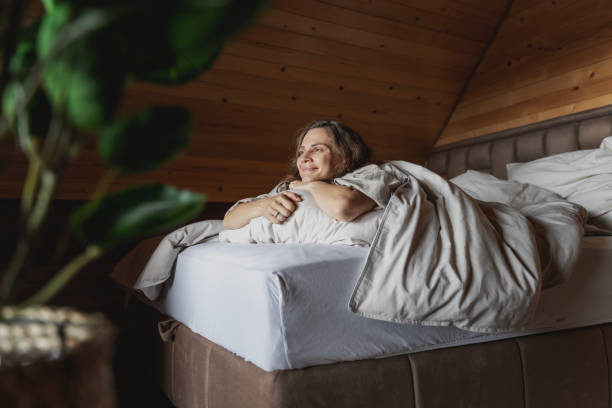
point(186, 66)
point(25, 52)
point(177, 42)
point(135, 213)
point(147, 139)
point(85, 79)
point(85, 84)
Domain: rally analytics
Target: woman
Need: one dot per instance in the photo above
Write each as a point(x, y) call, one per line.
point(324, 150)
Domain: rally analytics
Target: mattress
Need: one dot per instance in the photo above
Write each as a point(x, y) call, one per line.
point(285, 306)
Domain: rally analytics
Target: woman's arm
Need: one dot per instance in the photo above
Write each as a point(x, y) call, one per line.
point(339, 202)
point(282, 204)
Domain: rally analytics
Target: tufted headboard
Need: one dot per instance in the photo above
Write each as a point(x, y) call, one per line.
point(491, 153)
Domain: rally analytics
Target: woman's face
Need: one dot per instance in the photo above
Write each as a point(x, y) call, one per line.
point(317, 156)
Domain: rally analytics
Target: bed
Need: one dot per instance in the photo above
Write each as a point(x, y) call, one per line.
point(282, 342)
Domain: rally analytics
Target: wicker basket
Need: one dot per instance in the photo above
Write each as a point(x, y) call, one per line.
point(56, 357)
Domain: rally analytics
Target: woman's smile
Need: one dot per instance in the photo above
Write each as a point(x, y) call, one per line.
point(317, 159)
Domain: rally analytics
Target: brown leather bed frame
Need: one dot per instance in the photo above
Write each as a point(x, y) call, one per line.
point(568, 368)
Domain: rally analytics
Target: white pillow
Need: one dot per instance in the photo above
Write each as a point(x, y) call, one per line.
point(308, 224)
point(583, 177)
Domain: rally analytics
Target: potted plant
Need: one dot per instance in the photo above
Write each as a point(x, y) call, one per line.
point(63, 77)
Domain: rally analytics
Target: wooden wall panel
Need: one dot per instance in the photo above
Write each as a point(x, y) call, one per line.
point(549, 58)
point(391, 69)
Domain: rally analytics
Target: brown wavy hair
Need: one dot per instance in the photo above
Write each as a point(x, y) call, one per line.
point(347, 143)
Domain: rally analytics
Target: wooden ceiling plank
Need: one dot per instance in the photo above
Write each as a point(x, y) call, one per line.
point(212, 92)
point(289, 58)
point(532, 6)
point(556, 99)
point(540, 18)
point(353, 19)
point(313, 92)
point(393, 91)
point(563, 54)
point(553, 68)
point(452, 9)
point(213, 109)
point(493, 8)
point(408, 15)
point(310, 27)
point(529, 44)
point(570, 78)
point(508, 122)
point(541, 64)
point(437, 66)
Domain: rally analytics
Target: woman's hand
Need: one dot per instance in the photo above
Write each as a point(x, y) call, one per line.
point(279, 207)
point(276, 209)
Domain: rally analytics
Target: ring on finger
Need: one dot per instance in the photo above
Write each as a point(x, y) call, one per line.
point(276, 215)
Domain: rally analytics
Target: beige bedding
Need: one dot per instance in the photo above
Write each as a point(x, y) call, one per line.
point(443, 258)
point(307, 224)
point(439, 257)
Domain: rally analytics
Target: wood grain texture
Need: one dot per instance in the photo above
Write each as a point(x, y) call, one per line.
point(549, 58)
point(390, 69)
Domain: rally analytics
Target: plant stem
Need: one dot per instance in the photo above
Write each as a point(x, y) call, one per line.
point(54, 132)
point(33, 222)
point(24, 137)
point(10, 275)
point(104, 183)
point(30, 147)
point(43, 171)
point(29, 186)
point(32, 218)
point(63, 276)
point(47, 189)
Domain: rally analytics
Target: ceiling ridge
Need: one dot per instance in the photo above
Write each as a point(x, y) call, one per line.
point(470, 77)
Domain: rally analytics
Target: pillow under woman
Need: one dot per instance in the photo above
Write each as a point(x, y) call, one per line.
point(326, 152)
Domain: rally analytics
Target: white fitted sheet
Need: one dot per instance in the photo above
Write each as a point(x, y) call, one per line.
point(285, 306)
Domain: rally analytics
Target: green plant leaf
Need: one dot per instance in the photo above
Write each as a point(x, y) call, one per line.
point(85, 79)
point(19, 66)
point(84, 84)
point(51, 25)
point(147, 139)
point(49, 5)
point(24, 56)
point(176, 44)
point(187, 67)
point(10, 98)
point(135, 213)
point(237, 15)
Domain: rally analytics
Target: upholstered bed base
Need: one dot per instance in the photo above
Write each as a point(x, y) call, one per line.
point(561, 369)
